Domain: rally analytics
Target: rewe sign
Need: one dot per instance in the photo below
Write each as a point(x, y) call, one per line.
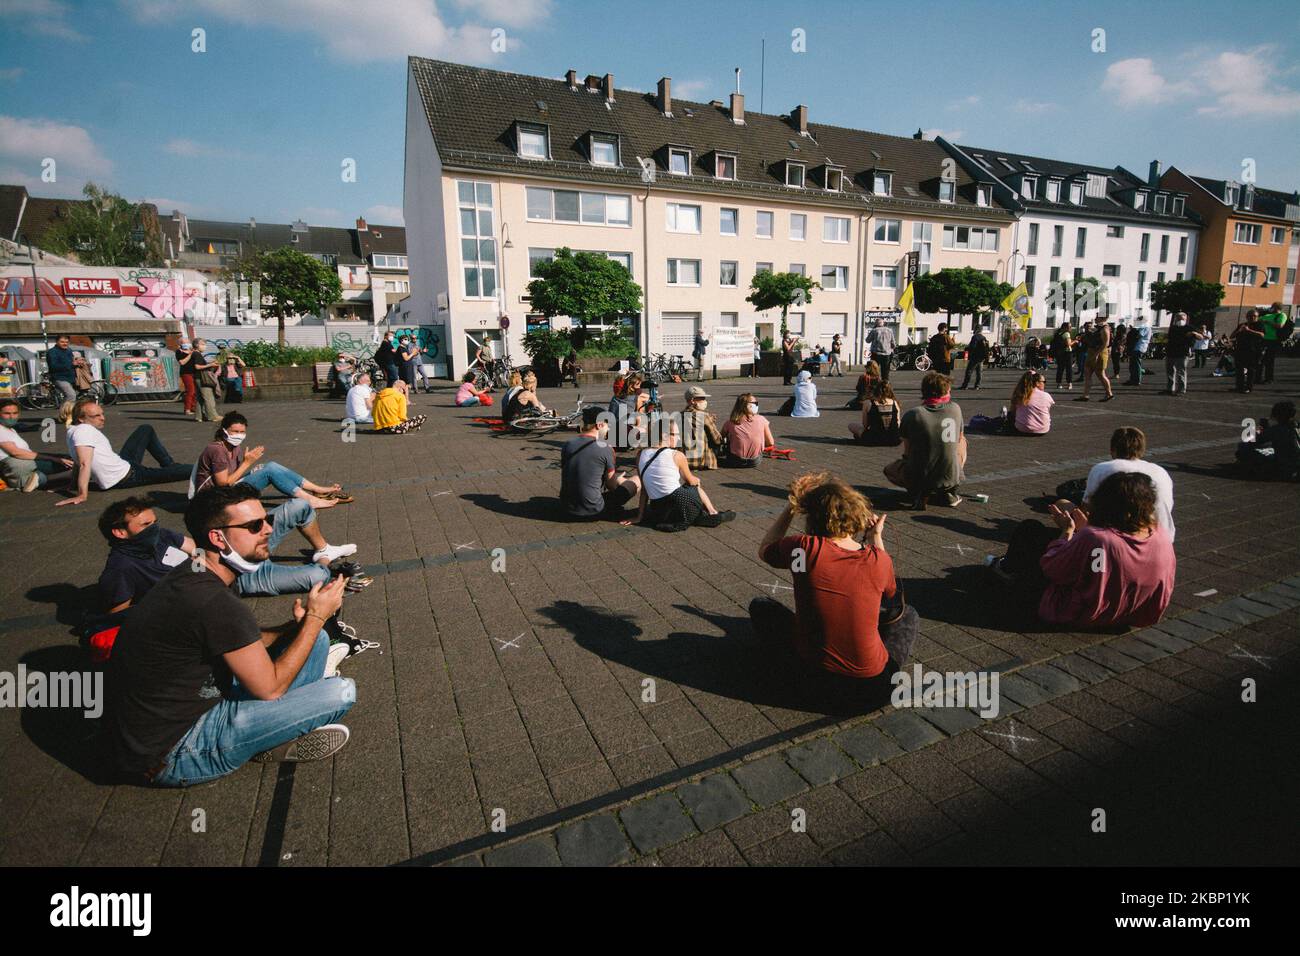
point(87, 285)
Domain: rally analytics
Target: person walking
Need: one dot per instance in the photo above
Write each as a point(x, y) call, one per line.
point(1060, 349)
point(1277, 327)
point(939, 349)
point(758, 355)
point(837, 346)
point(1098, 346)
point(185, 358)
point(1178, 350)
point(232, 374)
point(1247, 343)
point(1139, 340)
point(977, 354)
point(206, 378)
point(698, 352)
point(880, 340)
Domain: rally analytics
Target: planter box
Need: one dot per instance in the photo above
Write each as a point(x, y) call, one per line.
point(282, 382)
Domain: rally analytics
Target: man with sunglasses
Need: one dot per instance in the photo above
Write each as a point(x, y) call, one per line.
point(196, 688)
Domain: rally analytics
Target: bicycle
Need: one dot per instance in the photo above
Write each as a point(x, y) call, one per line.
point(44, 394)
point(543, 423)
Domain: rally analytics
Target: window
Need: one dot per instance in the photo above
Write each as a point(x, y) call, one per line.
point(1096, 185)
point(762, 267)
point(1182, 250)
point(1033, 238)
point(379, 261)
point(1241, 275)
point(1110, 272)
point(763, 224)
point(1162, 201)
point(1055, 275)
point(884, 277)
point(684, 272)
point(567, 205)
point(1164, 248)
point(728, 320)
point(799, 268)
point(1139, 200)
point(1144, 251)
point(679, 162)
point(727, 273)
point(947, 190)
point(981, 195)
point(835, 180)
point(798, 226)
point(604, 151)
point(222, 247)
point(1030, 274)
point(1058, 239)
point(538, 257)
point(1248, 233)
point(1028, 187)
point(974, 238)
point(887, 230)
point(478, 245)
point(1178, 205)
point(534, 142)
point(1278, 235)
point(622, 258)
point(1076, 193)
point(396, 285)
point(683, 218)
point(1290, 277)
point(882, 183)
point(835, 278)
point(1114, 232)
point(729, 221)
point(1274, 273)
point(1053, 190)
point(725, 166)
point(794, 322)
point(835, 229)
point(1081, 243)
point(794, 173)
point(1078, 273)
point(1230, 193)
point(922, 241)
point(1142, 285)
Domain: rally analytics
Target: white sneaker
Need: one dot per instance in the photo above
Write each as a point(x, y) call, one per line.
point(332, 552)
point(31, 482)
point(338, 653)
point(316, 744)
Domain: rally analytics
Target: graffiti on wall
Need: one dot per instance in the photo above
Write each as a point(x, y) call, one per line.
point(18, 294)
point(363, 346)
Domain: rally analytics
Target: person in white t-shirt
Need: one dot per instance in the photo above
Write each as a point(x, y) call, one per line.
point(94, 458)
point(361, 398)
point(1127, 446)
point(805, 397)
point(20, 467)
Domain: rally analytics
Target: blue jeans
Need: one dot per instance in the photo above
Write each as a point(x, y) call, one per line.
point(286, 482)
point(269, 579)
point(241, 726)
point(472, 400)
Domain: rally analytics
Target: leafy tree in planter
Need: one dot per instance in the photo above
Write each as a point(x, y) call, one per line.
point(104, 230)
point(586, 286)
point(780, 290)
point(1198, 298)
point(291, 283)
point(963, 291)
point(1076, 296)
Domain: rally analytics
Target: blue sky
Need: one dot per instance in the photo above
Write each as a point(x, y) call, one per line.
point(259, 124)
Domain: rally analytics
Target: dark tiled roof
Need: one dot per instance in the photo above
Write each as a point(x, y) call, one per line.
point(472, 112)
point(1268, 202)
point(41, 214)
point(11, 206)
point(319, 240)
point(1116, 204)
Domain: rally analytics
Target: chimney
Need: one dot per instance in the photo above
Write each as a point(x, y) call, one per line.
point(361, 226)
point(608, 85)
point(738, 107)
point(665, 100)
point(799, 119)
point(593, 83)
point(919, 134)
point(1153, 175)
point(572, 79)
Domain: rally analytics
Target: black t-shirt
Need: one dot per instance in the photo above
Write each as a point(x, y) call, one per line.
point(187, 368)
point(979, 348)
point(384, 355)
point(938, 348)
point(408, 363)
point(166, 670)
point(134, 567)
point(1179, 343)
point(584, 463)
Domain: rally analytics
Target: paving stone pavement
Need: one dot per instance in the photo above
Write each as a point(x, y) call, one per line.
point(603, 695)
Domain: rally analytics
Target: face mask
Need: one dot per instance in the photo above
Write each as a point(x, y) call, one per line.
point(8, 422)
point(235, 440)
point(143, 544)
point(751, 408)
point(236, 562)
point(702, 404)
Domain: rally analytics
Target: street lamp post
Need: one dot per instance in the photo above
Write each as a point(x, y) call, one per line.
point(1241, 303)
point(36, 290)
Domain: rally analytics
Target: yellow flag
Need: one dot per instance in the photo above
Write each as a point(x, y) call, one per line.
point(1017, 304)
point(905, 302)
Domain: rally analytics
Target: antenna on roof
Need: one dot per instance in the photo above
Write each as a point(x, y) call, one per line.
point(737, 79)
point(762, 73)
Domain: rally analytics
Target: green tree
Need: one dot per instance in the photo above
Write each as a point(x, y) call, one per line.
point(1076, 296)
point(289, 282)
point(1198, 298)
point(105, 230)
point(780, 290)
point(964, 291)
point(586, 286)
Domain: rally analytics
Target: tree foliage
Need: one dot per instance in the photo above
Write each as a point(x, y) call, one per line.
point(1076, 296)
point(963, 291)
point(1198, 298)
point(104, 230)
point(780, 290)
point(290, 282)
point(586, 286)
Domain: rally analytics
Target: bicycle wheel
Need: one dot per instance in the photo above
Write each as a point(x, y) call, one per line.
point(38, 395)
point(102, 392)
point(923, 363)
point(536, 424)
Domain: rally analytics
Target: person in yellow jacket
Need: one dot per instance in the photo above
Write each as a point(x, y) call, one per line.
point(389, 411)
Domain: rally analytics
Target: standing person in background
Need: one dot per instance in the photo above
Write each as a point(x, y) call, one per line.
point(881, 342)
point(1098, 346)
point(1201, 349)
point(408, 353)
point(1277, 327)
point(939, 349)
point(207, 381)
point(1119, 339)
point(837, 347)
point(700, 349)
point(386, 359)
point(758, 356)
point(1177, 352)
point(1060, 348)
point(1081, 349)
point(185, 357)
point(1247, 343)
point(977, 354)
point(787, 358)
point(1140, 342)
point(62, 364)
point(232, 374)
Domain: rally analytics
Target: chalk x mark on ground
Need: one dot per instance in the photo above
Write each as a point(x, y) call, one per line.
point(513, 642)
point(1013, 737)
point(1259, 659)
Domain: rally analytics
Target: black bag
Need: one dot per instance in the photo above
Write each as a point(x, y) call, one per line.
point(786, 407)
point(1072, 490)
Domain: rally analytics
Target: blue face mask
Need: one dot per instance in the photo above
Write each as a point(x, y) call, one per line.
point(8, 422)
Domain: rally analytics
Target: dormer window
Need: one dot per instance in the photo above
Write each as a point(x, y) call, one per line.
point(794, 174)
point(679, 161)
point(534, 142)
point(834, 179)
point(1029, 187)
point(1076, 193)
point(1248, 197)
point(724, 166)
point(1140, 200)
point(947, 190)
point(604, 150)
point(1178, 205)
point(1230, 193)
point(1162, 202)
point(882, 182)
point(981, 194)
point(1053, 190)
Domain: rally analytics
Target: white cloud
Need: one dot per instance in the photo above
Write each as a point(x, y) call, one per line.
point(1136, 82)
point(963, 102)
point(1247, 84)
point(385, 215)
point(1033, 107)
point(380, 31)
point(30, 141)
point(951, 135)
point(45, 17)
point(193, 149)
point(691, 90)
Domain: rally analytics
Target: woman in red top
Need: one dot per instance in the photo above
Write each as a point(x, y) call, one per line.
point(839, 583)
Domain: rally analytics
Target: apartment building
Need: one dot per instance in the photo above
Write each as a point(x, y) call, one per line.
point(1247, 240)
point(1076, 220)
point(693, 198)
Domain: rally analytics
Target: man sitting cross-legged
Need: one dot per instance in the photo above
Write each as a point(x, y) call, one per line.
point(389, 411)
point(590, 488)
point(196, 688)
